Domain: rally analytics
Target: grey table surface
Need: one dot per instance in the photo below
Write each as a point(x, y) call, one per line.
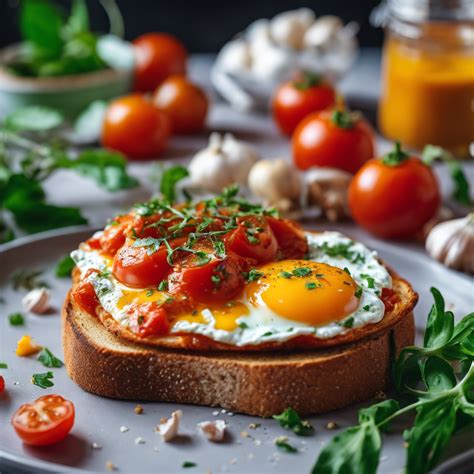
point(361, 87)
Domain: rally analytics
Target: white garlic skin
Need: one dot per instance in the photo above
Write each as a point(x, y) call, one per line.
point(288, 28)
point(235, 57)
point(213, 430)
point(241, 156)
point(277, 183)
point(323, 32)
point(452, 243)
point(170, 428)
point(37, 301)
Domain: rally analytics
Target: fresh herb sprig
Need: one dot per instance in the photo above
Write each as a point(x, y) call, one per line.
point(290, 419)
point(43, 380)
point(442, 399)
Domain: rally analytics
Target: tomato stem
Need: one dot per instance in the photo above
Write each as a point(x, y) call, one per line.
point(344, 119)
point(396, 156)
point(307, 80)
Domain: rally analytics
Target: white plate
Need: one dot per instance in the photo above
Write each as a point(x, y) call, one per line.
point(99, 419)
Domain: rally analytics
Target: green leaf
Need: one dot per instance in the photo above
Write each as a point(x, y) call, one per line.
point(43, 380)
point(290, 419)
point(396, 156)
point(433, 427)
point(3, 365)
point(356, 450)
point(284, 446)
point(438, 374)
point(461, 192)
point(169, 179)
point(41, 23)
point(188, 464)
point(34, 118)
point(16, 319)
point(440, 324)
point(64, 267)
point(48, 359)
point(78, 20)
point(379, 412)
point(407, 369)
point(107, 168)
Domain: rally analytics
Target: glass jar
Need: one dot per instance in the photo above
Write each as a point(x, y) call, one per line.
point(428, 74)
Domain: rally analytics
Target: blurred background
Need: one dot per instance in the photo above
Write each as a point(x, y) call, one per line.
point(206, 25)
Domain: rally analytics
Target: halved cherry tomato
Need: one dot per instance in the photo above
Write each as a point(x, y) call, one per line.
point(296, 99)
point(389, 298)
point(253, 239)
point(2, 384)
point(135, 127)
point(218, 281)
point(84, 295)
point(46, 421)
point(158, 55)
point(139, 267)
point(183, 102)
point(336, 139)
point(148, 319)
point(292, 243)
point(395, 196)
point(114, 234)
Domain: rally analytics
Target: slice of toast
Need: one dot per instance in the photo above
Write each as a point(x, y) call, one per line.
point(261, 384)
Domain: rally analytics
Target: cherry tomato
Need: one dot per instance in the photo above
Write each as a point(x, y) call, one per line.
point(292, 243)
point(141, 267)
point(218, 281)
point(46, 421)
point(114, 234)
point(148, 319)
point(395, 196)
point(185, 104)
point(135, 127)
point(253, 239)
point(296, 99)
point(84, 295)
point(333, 138)
point(2, 384)
point(158, 55)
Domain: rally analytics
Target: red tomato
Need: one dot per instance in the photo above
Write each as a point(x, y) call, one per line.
point(148, 319)
point(138, 267)
point(253, 239)
point(2, 384)
point(135, 127)
point(114, 234)
point(394, 199)
point(158, 55)
point(335, 139)
point(46, 421)
point(292, 243)
point(296, 99)
point(217, 281)
point(84, 295)
point(185, 104)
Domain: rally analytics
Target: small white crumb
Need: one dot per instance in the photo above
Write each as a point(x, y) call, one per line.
point(215, 413)
point(230, 413)
point(257, 442)
point(16, 383)
point(169, 429)
point(96, 446)
point(139, 440)
point(254, 426)
point(244, 434)
point(110, 466)
point(250, 456)
point(280, 439)
point(213, 430)
point(223, 410)
point(156, 449)
point(232, 461)
point(124, 429)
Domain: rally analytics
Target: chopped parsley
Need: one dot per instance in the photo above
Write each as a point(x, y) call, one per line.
point(253, 275)
point(219, 247)
point(366, 307)
point(3, 365)
point(370, 280)
point(149, 293)
point(163, 286)
point(358, 292)
point(302, 271)
point(284, 446)
point(290, 419)
point(285, 274)
point(16, 319)
point(349, 322)
point(342, 250)
point(310, 285)
point(188, 464)
point(243, 325)
point(43, 380)
point(217, 280)
point(48, 359)
point(269, 333)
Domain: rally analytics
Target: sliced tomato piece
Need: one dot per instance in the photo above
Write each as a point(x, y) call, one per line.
point(2, 384)
point(253, 239)
point(115, 234)
point(84, 295)
point(389, 299)
point(292, 243)
point(46, 421)
point(148, 319)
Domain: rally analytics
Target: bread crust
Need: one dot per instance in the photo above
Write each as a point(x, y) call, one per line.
point(311, 381)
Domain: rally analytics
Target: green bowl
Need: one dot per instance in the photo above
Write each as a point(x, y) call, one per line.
point(68, 94)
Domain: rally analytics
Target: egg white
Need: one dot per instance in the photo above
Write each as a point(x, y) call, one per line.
point(262, 324)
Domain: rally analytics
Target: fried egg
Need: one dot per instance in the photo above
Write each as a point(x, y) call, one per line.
point(336, 289)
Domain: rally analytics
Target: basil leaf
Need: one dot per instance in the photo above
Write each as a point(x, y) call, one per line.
point(463, 329)
point(440, 324)
point(438, 374)
point(43, 380)
point(356, 450)
point(41, 23)
point(379, 412)
point(169, 179)
point(48, 359)
point(433, 427)
point(78, 20)
point(284, 446)
point(290, 419)
point(34, 118)
point(407, 369)
point(64, 267)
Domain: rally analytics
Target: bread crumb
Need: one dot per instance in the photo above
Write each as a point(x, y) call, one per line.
point(110, 466)
point(213, 430)
point(380, 395)
point(96, 446)
point(223, 410)
point(257, 442)
point(233, 461)
point(254, 426)
point(250, 456)
point(215, 413)
point(139, 440)
point(332, 425)
point(280, 439)
point(244, 434)
point(230, 413)
point(169, 429)
point(405, 444)
point(124, 429)
point(138, 409)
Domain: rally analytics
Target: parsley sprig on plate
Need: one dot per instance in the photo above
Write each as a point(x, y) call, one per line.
point(438, 380)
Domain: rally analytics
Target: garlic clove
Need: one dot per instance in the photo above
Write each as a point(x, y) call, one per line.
point(242, 156)
point(288, 28)
point(235, 57)
point(213, 430)
point(452, 243)
point(37, 301)
point(169, 429)
point(323, 32)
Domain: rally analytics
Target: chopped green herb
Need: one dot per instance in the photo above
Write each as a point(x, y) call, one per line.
point(243, 325)
point(149, 293)
point(3, 365)
point(188, 464)
point(140, 319)
point(216, 280)
point(219, 247)
point(43, 380)
point(48, 359)
point(285, 274)
point(347, 270)
point(370, 280)
point(366, 307)
point(252, 239)
point(310, 285)
point(358, 292)
point(342, 250)
point(349, 322)
point(269, 333)
point(163, 286)
point(291, 420)
point(64, 267)
point(16, 319)
point(253, 275)
point(284, 446)
point(302, 271)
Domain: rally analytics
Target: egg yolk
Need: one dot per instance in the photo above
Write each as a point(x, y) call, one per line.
point(307, 292)
point(140, 297)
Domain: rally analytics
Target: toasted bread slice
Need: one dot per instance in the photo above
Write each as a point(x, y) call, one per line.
point(262, 384)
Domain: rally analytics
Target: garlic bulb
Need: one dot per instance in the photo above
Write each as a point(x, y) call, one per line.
point(235, 56)
point(277, 183)
point(37, 301)
point(452, 243)
point(225, 161)
point(327, 189)
point(323, 31)
point(288, 28)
